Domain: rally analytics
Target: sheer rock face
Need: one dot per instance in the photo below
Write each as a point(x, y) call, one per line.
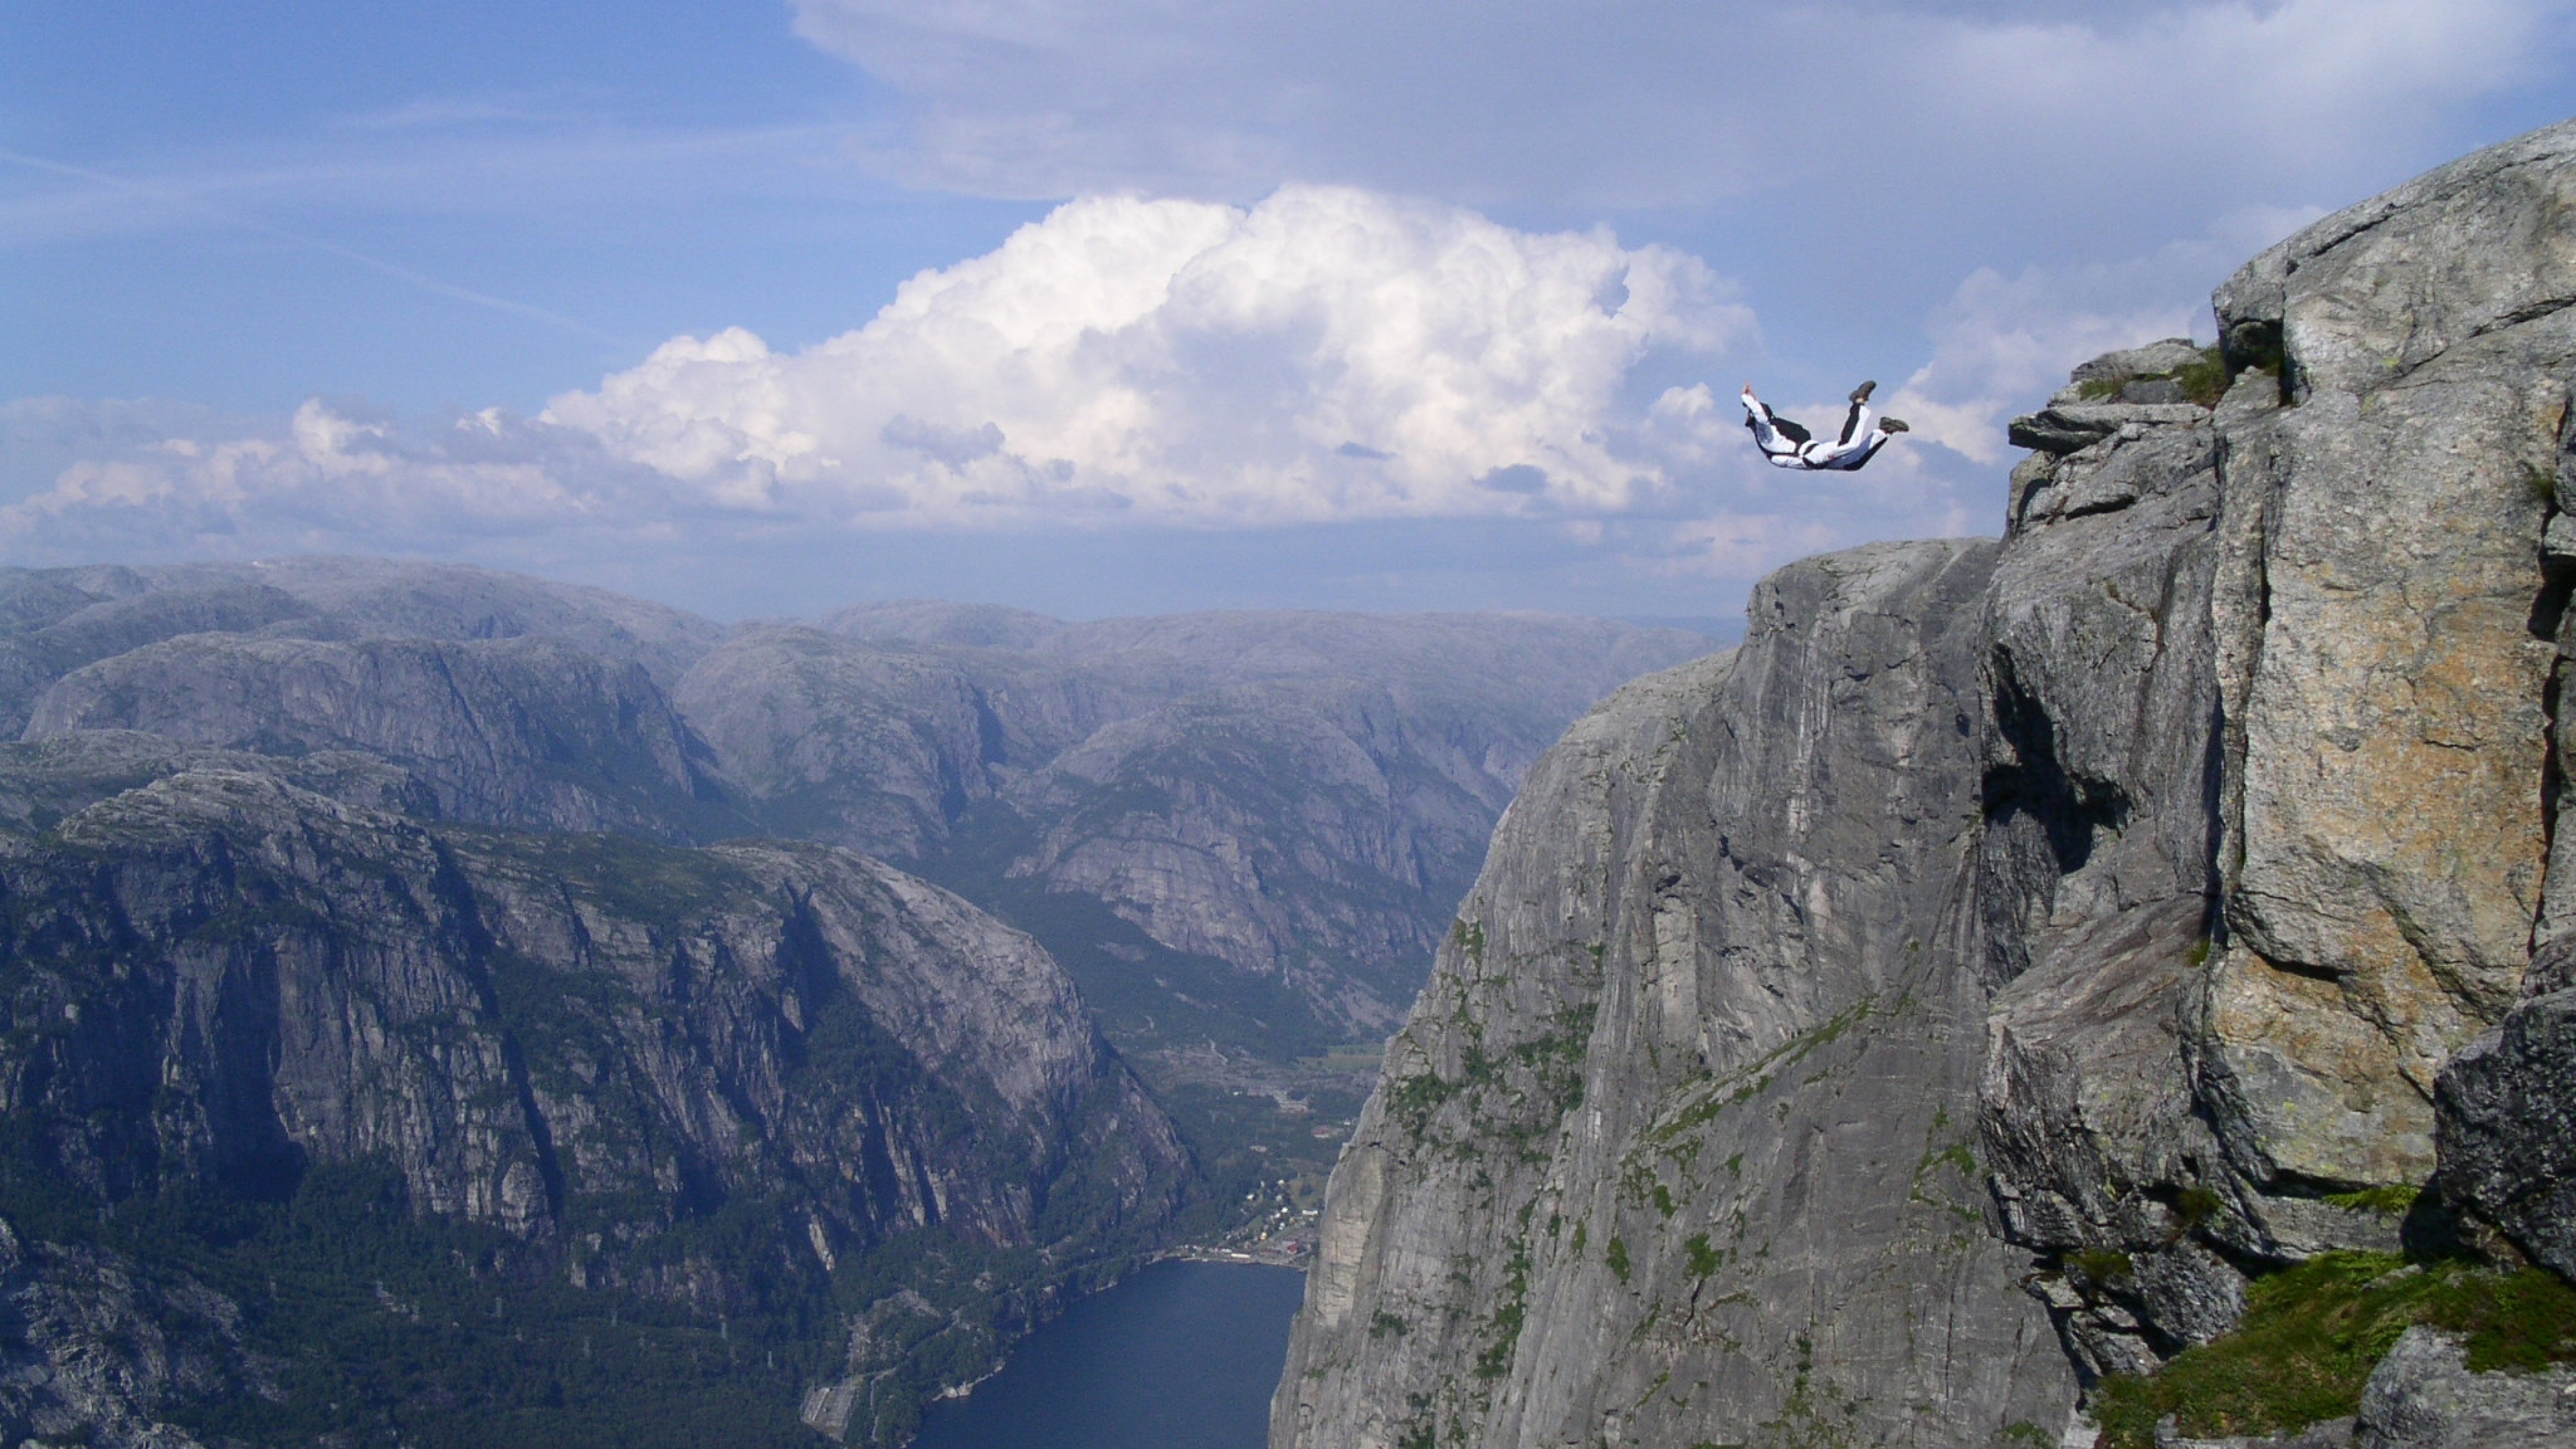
point(2246, 829)
point(2284, 671)
point(2388, 687)
point(222, 981)
point(309, 982)
point(1674, 1148)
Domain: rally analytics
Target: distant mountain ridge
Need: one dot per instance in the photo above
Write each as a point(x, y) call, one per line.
point(1119, 760)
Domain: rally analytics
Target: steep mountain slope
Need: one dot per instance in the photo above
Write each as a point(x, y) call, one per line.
point(1673, 1148)
point(2213, 822)
point(766, 1099)
point(1132, 787)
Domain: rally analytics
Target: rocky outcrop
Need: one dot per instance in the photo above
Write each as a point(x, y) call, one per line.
point(2281, 673)
point(1676, 1146)
point(2388, 694)
point(93, 1348)
point(2423, 1396)
point(2218, 805)
point(223, 984)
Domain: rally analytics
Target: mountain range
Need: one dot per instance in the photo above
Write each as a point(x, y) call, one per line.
point(447, 1006)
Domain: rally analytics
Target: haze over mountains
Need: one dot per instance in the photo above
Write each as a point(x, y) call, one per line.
point(373, 904)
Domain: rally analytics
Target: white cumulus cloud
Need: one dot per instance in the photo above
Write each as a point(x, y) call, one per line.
point(1327, 355)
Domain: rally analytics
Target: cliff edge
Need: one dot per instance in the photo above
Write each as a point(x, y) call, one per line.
point(2068, 933)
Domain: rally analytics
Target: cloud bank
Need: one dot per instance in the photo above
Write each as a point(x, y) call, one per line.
point(1328, 355)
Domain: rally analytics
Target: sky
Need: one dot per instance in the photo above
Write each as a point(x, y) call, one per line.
point(1105, 307)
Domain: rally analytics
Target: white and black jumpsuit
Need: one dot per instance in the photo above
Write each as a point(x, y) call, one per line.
point(1784, 444)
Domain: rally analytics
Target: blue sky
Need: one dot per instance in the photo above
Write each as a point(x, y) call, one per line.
point(1331, 304)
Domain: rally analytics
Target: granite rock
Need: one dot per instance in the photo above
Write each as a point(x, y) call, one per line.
point(2507, 1129)
point(2224, 815)
point(2423, 1396)
point(2072, 427)
point(1676, 1146)
point(2388, 675)
point(2272, 695)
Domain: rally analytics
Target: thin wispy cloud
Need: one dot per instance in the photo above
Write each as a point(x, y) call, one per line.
point(205, 211)
point(444, 112)
point(528, 170)
point(1659, 105)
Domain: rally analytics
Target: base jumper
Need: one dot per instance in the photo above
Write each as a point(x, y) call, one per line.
point(1784, 444)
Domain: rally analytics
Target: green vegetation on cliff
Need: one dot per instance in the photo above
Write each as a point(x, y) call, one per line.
point(2313, 1333)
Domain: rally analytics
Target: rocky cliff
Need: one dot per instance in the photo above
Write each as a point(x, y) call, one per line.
point(1676, 1147)
point(777, 1098)
point(2152, 902)
point(2293, 690)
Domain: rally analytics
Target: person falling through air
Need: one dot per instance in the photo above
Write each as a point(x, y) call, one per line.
point(1784, 444)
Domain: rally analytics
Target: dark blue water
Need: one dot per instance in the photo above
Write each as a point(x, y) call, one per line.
point(1181, 1356)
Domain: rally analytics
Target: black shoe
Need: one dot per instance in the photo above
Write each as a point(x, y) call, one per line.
point(1861, 393)
point(1893, 425)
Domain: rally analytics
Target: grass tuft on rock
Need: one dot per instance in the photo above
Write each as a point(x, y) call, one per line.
point(2205, 381)
point(2389, 1200)
point(2313, 1333)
